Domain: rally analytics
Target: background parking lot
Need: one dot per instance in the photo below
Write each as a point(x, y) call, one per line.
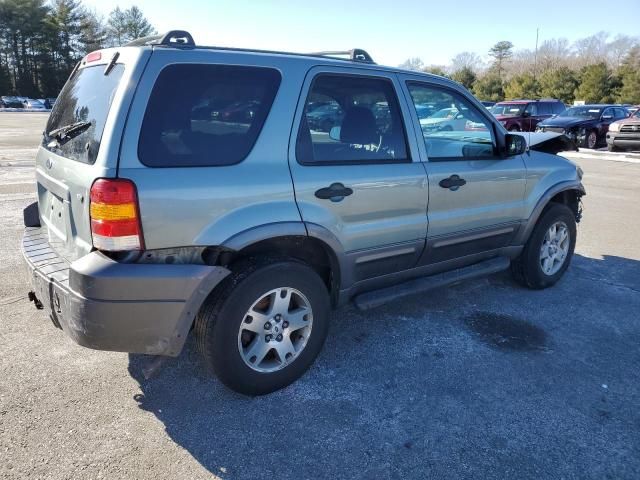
point(481, 380)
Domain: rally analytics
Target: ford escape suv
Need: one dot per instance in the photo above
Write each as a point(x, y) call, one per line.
point(187, 190)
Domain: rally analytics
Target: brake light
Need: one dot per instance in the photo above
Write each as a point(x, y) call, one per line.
point(115, 216)
point(93, 57)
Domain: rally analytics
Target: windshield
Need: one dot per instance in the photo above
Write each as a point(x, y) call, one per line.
point(636, 114)
point(86, 97)
point(508, 109)
point(587, 112)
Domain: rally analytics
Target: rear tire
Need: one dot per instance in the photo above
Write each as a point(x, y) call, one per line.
point(529, 268)
point(225, 329)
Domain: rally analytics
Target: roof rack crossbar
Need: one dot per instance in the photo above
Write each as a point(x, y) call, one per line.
point(356, 54)
point(173, 38)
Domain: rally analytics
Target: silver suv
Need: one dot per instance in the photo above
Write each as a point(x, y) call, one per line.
point(243, 194)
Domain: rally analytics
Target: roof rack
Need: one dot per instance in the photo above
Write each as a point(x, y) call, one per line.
point(355, 55)
point(173, 38)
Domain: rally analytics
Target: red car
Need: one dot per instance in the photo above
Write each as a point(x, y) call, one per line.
point(524, 115)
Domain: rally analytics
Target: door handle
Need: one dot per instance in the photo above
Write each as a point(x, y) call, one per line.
point(334, 192)
point(453, 182)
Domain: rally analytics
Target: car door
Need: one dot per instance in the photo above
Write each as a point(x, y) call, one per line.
point(607, 118)
point(359, 183)
point(533, 117)
point(476, 195)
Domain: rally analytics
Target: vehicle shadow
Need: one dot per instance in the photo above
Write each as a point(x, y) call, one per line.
point(379, 404)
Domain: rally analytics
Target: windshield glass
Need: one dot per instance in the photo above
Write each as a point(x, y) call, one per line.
point(508, 109)
point(636, 114)
point(587, 112)
point(86, 97)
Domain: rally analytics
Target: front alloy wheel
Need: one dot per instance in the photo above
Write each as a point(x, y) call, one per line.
point(592, 139)
point(555, 248)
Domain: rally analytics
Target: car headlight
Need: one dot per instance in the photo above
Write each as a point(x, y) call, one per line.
point(614, 127)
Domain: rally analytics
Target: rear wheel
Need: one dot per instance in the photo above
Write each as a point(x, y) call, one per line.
point(265, 326)
point(547, 254)
point(515, 128)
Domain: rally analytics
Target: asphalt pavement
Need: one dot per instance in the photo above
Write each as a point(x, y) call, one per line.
point(482, 380)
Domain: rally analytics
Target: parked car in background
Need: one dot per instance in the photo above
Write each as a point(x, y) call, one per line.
point(31, 104)
point(624, 134)
point(524, 115)
point(325, 117)
point(633, 109)
point(11, 102)
point(587, 125)
point(444, 120)
point(47, 102)
point(488, 104)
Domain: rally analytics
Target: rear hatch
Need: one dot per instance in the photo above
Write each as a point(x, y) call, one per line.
point(81, 142)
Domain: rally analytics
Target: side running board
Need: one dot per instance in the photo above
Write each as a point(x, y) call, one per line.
point(375, 298)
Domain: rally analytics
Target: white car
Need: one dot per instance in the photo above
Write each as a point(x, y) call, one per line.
point(35, 105)
point(447, 119)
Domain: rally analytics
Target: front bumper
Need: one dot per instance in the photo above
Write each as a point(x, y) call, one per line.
point(624, 140)
point(106, 305)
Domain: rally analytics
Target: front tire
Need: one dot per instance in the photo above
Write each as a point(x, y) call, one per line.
point(591, 140)
point(264, 327)
point(548, 252)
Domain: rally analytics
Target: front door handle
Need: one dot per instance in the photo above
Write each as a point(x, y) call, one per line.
point(334, 192)
point(453, 183)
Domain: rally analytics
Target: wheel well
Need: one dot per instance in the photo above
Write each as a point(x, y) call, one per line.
point(570, 198)
point(312, 251)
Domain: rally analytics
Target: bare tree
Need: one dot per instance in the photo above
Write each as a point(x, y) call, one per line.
point(466, 60)
point(414, 63)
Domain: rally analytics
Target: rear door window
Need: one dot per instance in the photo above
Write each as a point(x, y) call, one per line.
point(86, 97)
point(205, 115)
point(351, 119)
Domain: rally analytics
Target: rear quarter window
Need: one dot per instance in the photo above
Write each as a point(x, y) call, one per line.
point(205, 115)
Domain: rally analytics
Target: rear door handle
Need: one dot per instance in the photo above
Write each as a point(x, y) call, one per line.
point(453, 183)
point(334, 192)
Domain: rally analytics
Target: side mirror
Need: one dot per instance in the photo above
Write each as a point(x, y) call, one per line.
point(526, 114)
point(334, 133)
point(516, 144)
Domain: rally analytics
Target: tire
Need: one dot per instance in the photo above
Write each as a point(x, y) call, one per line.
point(527, 269)
point(591, 140)
point(222, 342)
point(514, 129)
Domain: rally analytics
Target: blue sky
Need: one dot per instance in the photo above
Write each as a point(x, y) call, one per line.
point(391, 31)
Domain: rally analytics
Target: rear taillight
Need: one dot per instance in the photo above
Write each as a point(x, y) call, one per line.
point(115, 217)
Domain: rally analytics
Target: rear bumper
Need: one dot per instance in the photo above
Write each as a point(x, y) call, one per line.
point(106, 305)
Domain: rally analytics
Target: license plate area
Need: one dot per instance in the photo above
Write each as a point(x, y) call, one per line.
point(55, 216)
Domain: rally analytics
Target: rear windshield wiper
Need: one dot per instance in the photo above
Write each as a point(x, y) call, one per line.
point(63, 134)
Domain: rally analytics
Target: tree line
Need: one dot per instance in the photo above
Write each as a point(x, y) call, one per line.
point(594, 69)
point(41, 41)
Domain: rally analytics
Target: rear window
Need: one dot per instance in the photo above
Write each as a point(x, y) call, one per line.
point(205, 115)
point(86, 97)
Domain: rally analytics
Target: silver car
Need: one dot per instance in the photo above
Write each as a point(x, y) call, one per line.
point(181, 191)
